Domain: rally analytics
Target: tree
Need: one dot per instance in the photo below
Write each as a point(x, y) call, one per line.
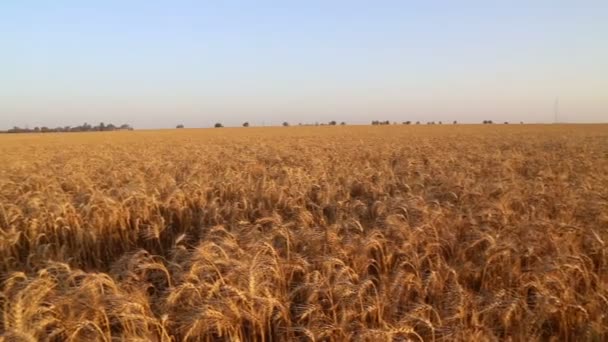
point(417, 122)
point(455, 122)
point(245, 124)
point(285, 124)
point(332, 123)
point(407, 122)
point(342, 123)
point(506, 122)
point(179, 126)
point(62, 129)
point(441, 123)
point(218, 125)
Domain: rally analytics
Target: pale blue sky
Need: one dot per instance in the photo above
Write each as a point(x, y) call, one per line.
point(160, 63)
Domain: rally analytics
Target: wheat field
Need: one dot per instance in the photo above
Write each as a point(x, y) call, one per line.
point(355, 233)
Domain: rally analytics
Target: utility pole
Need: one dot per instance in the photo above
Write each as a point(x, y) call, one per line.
point(556, 109)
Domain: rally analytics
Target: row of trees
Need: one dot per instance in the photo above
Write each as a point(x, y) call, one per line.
point(285, 124)
point(82, 128)
point(489, 122)
point(485, 122)
point(331, 123)
point(374, 123)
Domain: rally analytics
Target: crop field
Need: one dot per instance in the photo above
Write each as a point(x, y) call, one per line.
point(354, 233)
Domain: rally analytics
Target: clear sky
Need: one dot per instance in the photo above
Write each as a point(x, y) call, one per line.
point(161, 63)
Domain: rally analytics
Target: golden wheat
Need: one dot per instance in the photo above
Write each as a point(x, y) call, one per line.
point(306, 233)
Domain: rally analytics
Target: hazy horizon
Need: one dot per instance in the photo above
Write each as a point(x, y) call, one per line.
point(156, 66)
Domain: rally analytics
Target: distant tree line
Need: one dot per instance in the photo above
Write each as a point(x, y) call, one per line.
point(331, 123)
point(284, 124)
point(485, 122)
point(387, 122)
point(376, 122)
point(82, 128)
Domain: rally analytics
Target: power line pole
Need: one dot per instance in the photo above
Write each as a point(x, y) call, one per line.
point(556, 109)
